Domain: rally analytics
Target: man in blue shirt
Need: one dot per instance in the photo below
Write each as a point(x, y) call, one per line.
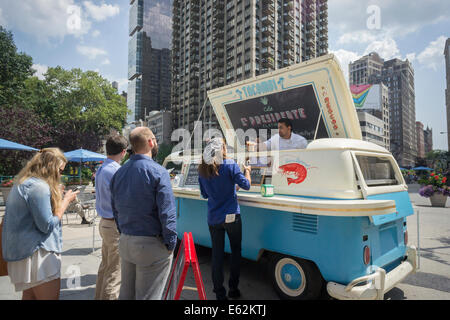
point(144, 208)
point(108, 278)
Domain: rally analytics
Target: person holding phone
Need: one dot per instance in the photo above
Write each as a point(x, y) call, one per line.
point(218, 177)
point(32, 233)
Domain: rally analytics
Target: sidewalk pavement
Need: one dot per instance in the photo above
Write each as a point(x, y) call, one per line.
point(81, 257)
point(78, 259)
point(432, 281)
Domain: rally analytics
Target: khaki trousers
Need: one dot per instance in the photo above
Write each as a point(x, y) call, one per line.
point(109, 274)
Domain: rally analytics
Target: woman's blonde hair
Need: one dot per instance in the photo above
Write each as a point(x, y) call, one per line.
point(45, 165)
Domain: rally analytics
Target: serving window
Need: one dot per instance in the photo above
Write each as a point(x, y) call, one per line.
point(256, 118)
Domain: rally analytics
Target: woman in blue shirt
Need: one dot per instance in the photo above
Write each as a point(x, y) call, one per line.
point(31, 237)
point(218, 178)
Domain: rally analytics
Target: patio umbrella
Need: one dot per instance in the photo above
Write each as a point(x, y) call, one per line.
point(81, 155)
point(6, 144)
point(422, 168)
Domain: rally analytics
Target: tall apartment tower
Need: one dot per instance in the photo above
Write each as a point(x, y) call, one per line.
point(217, 42)
point(398, 76)
point(149, 58)
point(361, 70)
point(447, 91)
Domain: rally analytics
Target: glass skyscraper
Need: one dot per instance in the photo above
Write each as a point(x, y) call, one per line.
point(149, 57)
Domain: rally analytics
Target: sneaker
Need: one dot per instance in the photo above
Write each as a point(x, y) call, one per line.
point(234, 294)
point(84, 221)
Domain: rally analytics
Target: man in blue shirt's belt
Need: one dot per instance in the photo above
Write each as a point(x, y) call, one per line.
point(144, 210)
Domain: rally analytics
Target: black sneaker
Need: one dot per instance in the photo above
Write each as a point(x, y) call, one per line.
point(84, 221)
point(234, 294)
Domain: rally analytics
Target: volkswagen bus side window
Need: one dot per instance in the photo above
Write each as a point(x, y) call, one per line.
point(377, 171)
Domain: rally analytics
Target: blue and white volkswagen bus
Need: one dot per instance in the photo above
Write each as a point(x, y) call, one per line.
point(338, 216)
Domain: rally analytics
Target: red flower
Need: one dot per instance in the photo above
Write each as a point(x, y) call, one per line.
point(8, 183)
point(436, 177)
point(444, 180)
point(432, 174)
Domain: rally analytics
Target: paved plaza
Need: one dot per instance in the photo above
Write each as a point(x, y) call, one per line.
point(82, 257)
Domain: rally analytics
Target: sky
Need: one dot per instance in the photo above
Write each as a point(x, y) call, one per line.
point(93, 35)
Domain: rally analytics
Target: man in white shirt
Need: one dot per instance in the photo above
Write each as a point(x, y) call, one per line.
point(285, 139)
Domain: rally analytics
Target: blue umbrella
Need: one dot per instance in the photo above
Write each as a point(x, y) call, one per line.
point(5, 144)
point(422, 168)
point(82, 155)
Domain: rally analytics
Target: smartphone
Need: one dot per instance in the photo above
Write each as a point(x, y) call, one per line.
point(76, 189)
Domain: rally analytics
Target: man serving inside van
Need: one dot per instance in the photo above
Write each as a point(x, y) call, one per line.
point(285, 139)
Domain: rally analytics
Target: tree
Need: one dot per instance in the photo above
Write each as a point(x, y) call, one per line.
point(69, 109)
point(165, 149)
point(86, 97)
point(439, 159)
point(15, 68)
point(37, 96)
point(81, 106)
point(70, 135)
point(22, 126)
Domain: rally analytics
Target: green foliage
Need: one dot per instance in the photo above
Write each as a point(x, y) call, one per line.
point(125, 159)
point(164, 150)
point(15, 68)
point(69, 109)
point(439, 159)
point(86, 173)
point(25, 127)
point(85, 98)
point(434, 179)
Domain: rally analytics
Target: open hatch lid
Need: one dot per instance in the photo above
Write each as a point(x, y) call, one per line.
point(313, 94)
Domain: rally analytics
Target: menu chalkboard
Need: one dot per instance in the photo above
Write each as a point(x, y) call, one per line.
point(299, 105)
point(257, 175)
point(192, 175)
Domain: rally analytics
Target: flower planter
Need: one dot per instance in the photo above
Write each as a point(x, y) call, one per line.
point(5, 192)
point(438, 200)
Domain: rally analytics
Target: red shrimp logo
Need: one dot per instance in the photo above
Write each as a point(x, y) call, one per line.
point(297, 170)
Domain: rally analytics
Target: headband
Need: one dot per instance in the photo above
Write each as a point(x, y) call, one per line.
point(213, 151)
